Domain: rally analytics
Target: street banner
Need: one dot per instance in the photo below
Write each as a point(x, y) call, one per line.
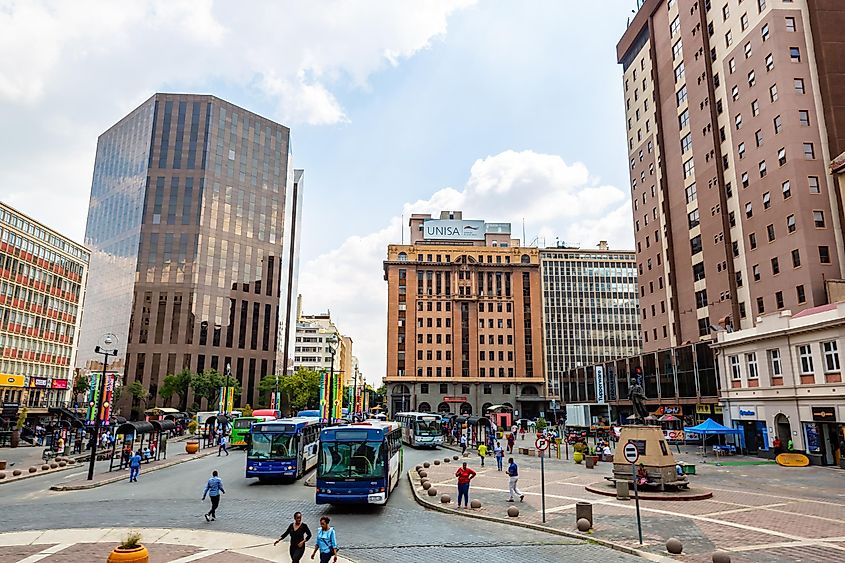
point(359, 400)
point(105, 414)
point(93, 392)
point(276, 400)
point(366, 400)
point(324, 396)
point(600, 396)
point(337, 413)
point(227, 393)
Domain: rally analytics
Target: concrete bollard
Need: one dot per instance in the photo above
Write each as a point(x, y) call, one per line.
point(513, 512)
point(432, 492)
point(584, 510)
point(54, 465)
point(33, 469)
point(674, 546)
point(446, 460)
point(16, 472)
point(455, 457)
point(622, 490)
point(2, 475)
point(418, 468)
point(476, 503)
point(436, 462)
point(423, 474)
point(583, 525)
point(445, 499)
point(721, 557)
point(426, 465)
point(71, 461)
point(62, 463)
point(426, 485)
point(45, 467)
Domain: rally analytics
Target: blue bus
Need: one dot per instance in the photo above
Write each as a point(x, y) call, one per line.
point(360, 463)
point(286, 447)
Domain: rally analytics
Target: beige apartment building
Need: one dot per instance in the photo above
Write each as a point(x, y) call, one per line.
point(734, 112)
point(464, 319)
point(783, 378)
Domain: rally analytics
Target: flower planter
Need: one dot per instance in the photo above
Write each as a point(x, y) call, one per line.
point(192, 446)
point(577, 457)
point(129, 555)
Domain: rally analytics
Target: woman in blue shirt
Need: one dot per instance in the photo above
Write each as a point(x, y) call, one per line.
point(326, 542)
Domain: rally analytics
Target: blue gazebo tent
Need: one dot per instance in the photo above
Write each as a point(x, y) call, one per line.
point(710, 427)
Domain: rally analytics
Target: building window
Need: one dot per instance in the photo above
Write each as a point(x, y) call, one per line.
point(679, 72)
point(444, 388)
point(767, 200)
point(796, 258)
point(770, 232)
point(804, 117)
point(773, 93)
point(681, 95)
point(424, 388)
point(781, 156)
point(735, 92)
point(744, 179)
point(761, 5)
point(751, 365)
point(695, 244)
point(697, 271)
point(752, 241)
point(758, 137)
point(775, 266)
point(795, 54)
point(686, 143)
point(790, 24)
point(488, 389)
point(764, 32)
point(752, 79)
point(689, 168)
point(736, 371)
point(691, 193)
point(676, 49)
point(813, 182)
point(799, 292)
point(683, 119)
point(805, 357)
point(747, 50)
point(749, 211)
point(830, 350)
point(775, 364)
point(770, 62)
point(787, 191)
point(798, 84)
point(824, 255)
point(762, 168)
point(741, 150)
point(755, 272)
point(675, 26)
point(732, 66)
point(818, 219)
point(693, 218)
point(761, 307)
point(755, 108)
point(778, 123)
point(809, 151)
point(790, 223)
point(465, 389)
point(738, 121)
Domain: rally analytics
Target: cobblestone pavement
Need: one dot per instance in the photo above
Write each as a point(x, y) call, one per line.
point(170, 498)
point(759, 513)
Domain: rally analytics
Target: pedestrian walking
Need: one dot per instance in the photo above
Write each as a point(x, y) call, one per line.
point(299, 534)
point(464, 475)
point(482, 452)
point(511, 441)
point(214, 488)
point(463, 444)
point(326, 542)
point(222, 447)
point(135, 467)
point(513, 477)
point(500, 455)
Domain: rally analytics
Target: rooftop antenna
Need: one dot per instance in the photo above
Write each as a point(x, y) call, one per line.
point(402, 228)
point(523, 231)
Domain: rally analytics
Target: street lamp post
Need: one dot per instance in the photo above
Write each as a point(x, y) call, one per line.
point(226, 389)
point(108, 340)
point(330, 341)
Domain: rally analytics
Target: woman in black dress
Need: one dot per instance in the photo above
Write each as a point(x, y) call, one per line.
point(299, 534)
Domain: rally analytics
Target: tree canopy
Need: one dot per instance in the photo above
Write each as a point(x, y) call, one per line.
point(302, 389)
point(177, 384)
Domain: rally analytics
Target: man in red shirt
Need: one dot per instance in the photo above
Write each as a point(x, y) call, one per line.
point(464, 475)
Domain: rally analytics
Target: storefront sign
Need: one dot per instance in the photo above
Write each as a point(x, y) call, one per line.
point(747, 412)
point(40, 382)
point(10, 409)
point(600, 396)
point(7, 380)
point(717, 409)
point(824, 414)
point(453, 229)
point(674, 435)
point(454, 399)
point(702, 409)
point(59, 384)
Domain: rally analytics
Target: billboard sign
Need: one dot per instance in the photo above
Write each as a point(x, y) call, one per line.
point(600, 394)
point(453, 229)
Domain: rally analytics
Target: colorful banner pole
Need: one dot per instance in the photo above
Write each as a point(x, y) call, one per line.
point(93, 392)
point(324, 396)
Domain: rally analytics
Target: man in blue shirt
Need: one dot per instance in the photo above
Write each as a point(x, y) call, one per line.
point(135, 467)
point(214, 488)
point(513, 477)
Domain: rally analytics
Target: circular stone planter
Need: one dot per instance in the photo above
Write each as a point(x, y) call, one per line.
point(426, 485)
point(432, 492)
point(192, 446)
point(475, 503)
point(445, 499)
point(674, 546)
point(721, 557)
point(133, 555)
point(583, 525)
point(513, 512)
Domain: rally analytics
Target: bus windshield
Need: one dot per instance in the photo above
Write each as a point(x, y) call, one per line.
point(272, 446)
point(351, 459)
point(427, 427)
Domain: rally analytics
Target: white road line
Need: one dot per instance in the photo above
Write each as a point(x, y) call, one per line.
point(46, 553)
point(197, 556)
point(746, 509)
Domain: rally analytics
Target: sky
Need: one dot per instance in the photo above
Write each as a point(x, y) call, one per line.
point(509, 111)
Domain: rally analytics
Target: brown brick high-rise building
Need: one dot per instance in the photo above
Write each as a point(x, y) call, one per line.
point(185, 228)
point(464, 319)
point(734, 110)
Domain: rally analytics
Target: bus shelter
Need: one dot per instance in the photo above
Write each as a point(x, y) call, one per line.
point(131, 437)
point(158, 443)
point(215, 426)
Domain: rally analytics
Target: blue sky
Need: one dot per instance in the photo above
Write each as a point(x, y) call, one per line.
point(508, 110)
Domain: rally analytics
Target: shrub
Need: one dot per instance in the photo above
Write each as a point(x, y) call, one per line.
point(131, 541)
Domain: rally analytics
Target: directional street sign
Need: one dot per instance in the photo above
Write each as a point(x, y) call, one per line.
point(631, 453)
point(542, 443)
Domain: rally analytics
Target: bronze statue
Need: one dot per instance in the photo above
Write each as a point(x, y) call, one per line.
point(637, 398)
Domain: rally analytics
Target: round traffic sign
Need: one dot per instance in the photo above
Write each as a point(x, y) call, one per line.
point(542, 443)
point(631, 453)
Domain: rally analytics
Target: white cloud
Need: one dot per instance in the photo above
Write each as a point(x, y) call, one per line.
point(554, 198)
point(69, 70)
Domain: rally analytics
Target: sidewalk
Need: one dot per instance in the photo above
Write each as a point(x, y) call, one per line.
point(164, 545)
point(758, 512)
point(107, 477)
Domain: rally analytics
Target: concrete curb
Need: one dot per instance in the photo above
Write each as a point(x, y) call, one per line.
point(119, 478)
point(512, 522)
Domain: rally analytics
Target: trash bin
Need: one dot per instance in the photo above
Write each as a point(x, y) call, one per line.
point(584, 510)
point(689, 469)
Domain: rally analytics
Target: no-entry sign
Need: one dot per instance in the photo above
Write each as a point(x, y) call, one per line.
point(631, 453)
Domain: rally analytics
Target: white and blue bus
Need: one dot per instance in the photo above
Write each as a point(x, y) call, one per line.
point(282, 448)
point(420, 429)
point(360, 463)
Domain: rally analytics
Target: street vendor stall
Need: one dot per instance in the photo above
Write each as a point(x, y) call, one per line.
point(711, 428)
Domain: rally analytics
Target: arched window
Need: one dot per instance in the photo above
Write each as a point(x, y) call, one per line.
point(525, 259)
point(484, 408)
point(403, 257)
point(443, 407)
point(466, 408)
point(424, 407)
point(529, 390)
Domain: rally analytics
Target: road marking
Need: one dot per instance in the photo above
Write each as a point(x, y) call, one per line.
point(810, 543)
point(46, 553)
point(747, 509)
point(197, 556)
point(71, 476)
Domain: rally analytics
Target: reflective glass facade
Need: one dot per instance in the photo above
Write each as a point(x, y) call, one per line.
point(206, 269)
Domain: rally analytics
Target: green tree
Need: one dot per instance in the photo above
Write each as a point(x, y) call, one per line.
point(177, 384)
point(138, 392)
point(81, 385)
point(206, 385)
point(302, 389)
point(247, 410)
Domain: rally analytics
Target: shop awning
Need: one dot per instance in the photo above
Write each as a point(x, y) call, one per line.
point(710, 426)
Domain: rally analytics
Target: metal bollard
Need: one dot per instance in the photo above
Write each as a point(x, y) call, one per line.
point(584, 510)
point(622, 490)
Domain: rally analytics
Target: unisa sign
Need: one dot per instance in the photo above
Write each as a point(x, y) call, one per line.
point(451, 229)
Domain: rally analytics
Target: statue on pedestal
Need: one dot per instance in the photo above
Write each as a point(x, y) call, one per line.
point(637, 397)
